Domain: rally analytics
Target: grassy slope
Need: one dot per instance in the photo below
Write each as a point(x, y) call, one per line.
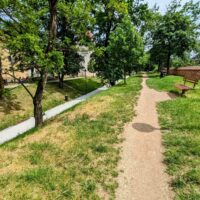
point(75, 155)
point(17, 105)
point(180, 121)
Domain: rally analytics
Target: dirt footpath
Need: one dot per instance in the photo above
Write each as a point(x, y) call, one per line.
point(143, 174)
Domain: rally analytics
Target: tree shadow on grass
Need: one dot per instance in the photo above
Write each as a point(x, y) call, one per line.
point(174, 94)
point(9, 103)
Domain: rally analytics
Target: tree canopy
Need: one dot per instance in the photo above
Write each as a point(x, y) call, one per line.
point(125, 48)
point(175, 33)
point(29, 30)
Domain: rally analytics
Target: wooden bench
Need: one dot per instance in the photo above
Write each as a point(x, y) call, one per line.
point(184, 88)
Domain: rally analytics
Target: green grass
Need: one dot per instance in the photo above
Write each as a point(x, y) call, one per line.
point(75, 155)
point(84, 86)
point(163, 84)
point(17, 104)
point(180, 121)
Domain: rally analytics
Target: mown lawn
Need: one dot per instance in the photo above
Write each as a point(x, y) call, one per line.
point(163, 84)
point(75, 155)
point(180, 121)
point(17, 104)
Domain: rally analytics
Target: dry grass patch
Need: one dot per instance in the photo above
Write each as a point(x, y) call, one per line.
point(16, 157)
point(92, 109)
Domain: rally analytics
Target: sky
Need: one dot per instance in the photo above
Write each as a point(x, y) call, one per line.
point(162, 3)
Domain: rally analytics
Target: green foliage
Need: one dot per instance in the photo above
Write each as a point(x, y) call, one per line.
point(101, 64)
point(113, 55)
point(107, 14)
point(196, 57)
point(73, 23)
point(175, 33)
point(72, 62)
point(186, 60)
point(142, 16)
point(55, 58)
point(125, 48)
point(74, 20)
point(25, 31)
point(29, 30)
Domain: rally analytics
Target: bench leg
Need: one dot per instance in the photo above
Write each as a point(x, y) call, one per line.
point(183, 92)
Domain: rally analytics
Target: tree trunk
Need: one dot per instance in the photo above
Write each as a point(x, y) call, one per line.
point(61, 80)
point(37, 100)
point(168, 59)
point(52, 24)
point(159, 65)
point(32, 73)
point(1, 81)
point(112, 83)
point(124, 76)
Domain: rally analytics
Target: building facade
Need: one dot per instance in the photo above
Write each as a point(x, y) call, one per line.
point(8, 66)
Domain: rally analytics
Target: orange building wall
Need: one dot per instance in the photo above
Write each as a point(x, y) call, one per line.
point(6, 66)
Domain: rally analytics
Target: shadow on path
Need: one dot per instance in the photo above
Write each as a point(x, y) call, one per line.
point(142, 127)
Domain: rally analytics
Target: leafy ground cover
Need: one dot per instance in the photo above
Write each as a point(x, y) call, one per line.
point(180, 122)
point(17, 104)
point(75, 155)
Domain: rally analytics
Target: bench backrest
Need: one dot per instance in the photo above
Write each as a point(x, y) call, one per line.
point(194, 82)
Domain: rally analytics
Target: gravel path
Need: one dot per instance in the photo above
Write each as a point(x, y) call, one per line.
point(143, 174)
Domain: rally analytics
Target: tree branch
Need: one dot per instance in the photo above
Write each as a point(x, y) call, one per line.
point(19, 81)
point(13, 19)
point(10, 16)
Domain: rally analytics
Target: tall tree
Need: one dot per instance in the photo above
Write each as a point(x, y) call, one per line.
point(72, 28)
point(125, 48)
point(176, 32)
point(107, 15)
point(196, 57)
point(141, 15)
point(29, 29)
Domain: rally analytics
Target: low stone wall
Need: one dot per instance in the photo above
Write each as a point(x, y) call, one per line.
point(187, 72)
